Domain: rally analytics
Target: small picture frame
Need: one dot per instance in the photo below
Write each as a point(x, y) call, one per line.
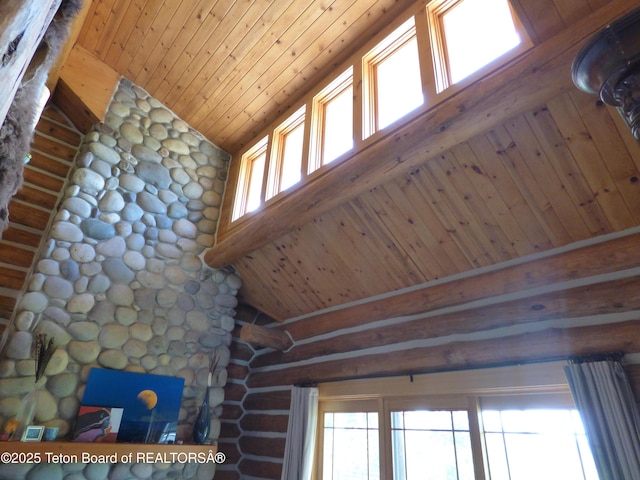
point(33, 433)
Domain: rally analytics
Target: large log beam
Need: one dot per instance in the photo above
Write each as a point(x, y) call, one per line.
point(540, 74)
point(550, 344)
point(614, 297)
point(605, 257)
point(265, 337)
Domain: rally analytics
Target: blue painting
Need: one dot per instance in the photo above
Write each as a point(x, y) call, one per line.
point(150, 403)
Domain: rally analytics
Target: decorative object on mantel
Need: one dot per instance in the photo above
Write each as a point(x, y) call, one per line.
point(16, 132)
point(26, 411)
point(609, 65)
point(202, 424)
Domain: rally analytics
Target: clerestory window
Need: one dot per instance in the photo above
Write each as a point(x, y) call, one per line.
point(467, 35)
point(422, 59)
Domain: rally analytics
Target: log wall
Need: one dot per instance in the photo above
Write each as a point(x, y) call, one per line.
point(572, 301)
point(54, 147)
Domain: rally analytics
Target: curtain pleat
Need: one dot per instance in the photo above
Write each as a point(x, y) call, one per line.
point(301, 434)
point(603, 396)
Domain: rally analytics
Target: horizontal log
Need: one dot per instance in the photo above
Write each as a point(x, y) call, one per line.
point(554, 343)
point(12, 278)
point(606, 257)
point(600, 299)
point(260, 469)
point(264, 423)
point(229, 429)
point(21, 236)
point(265, 337)
point(234, 391)
point(274, 447)
point(532, 79)
point(276, 400)
point(232, 412)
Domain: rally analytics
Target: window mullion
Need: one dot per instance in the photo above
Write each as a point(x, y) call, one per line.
point(385, 441)
point(427, 68)
point(358, 106)
point(267, 168)
point(306, 140)
point(478, 449)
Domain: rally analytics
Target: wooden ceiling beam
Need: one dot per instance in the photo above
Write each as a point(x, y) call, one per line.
point(527, 82)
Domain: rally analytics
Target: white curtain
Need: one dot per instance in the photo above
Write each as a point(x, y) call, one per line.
point(610, 415)
point(301, 434)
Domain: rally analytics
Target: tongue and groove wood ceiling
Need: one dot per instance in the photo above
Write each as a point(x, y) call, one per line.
point(564, 171)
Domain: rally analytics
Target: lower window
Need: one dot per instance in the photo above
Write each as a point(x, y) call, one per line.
point(516, 436)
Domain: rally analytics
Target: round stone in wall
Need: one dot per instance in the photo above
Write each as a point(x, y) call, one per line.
point(146, 154)
point(81, 303)
point(151, 203)
point(131, 133)
point(161, 115)
point(34, 301)
point(84, 352)
point(119, 294)
point(19, 347)
point(114, 247)
point(67, 232)
point(84, 330)
point(104, 152)
point(113, 359)
point(97, 229)
point(112, 202)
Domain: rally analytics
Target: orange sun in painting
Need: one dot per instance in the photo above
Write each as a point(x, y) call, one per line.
point(148, 398)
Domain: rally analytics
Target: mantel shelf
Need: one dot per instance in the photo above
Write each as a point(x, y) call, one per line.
point(141, 452)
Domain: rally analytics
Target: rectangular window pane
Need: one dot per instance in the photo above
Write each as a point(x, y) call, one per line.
point(338, 127)
point(351, 446)
point(429, 447)
point(553, 434)
point(399, 87)
point(477, 32)
point(292, 158)
point(255, 182)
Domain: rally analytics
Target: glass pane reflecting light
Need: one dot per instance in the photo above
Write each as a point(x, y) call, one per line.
point(477, 32)
point(399, 88)
point(351, 446)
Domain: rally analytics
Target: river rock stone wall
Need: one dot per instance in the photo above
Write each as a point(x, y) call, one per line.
point(121, 283)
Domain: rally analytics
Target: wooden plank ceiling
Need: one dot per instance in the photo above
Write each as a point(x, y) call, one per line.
point(565, 171)
point(229, 67)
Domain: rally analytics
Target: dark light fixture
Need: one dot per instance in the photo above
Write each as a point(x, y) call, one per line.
point(609, 66)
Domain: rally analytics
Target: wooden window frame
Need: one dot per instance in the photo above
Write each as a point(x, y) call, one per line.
point(365, 132)
point(275, 166)
point(521, 386)
point(435, 11)
point(383, 50)
point(242, 192)
point(318, 114)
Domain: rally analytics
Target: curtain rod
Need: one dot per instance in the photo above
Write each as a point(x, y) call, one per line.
point(611, 356)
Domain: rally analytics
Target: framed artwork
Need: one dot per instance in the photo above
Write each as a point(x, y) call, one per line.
point(33, 433)
point(150, 404)
point(97, 424)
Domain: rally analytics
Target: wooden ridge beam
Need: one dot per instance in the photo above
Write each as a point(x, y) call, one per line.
point(550, 344)
point(527, 82)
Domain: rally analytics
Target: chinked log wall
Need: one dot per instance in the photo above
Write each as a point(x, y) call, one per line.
point(579, 300)
point(575, 301)
point(54, 147)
